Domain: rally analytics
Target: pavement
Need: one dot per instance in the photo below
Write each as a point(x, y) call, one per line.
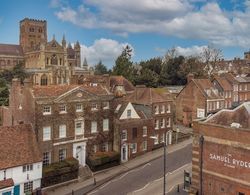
point(107, 175)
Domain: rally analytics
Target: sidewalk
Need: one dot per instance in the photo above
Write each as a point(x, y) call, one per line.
point(108, 174)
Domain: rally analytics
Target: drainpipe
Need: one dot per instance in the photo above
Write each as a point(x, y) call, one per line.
point(201, 163)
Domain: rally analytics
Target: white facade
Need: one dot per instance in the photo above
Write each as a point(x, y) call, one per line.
point(133, 113)
point(79, 152)
point(19, 177)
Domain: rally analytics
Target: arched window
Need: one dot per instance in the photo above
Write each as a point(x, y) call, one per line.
point(44, 80)
point(54, 60)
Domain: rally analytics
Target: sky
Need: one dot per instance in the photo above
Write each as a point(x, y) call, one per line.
point(150, 27)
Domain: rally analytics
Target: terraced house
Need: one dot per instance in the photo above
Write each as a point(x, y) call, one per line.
point(69, 120)
point(140, 116)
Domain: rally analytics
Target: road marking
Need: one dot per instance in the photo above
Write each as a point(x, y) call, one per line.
point(141, 188)
point(169, 173)
point(115, 179)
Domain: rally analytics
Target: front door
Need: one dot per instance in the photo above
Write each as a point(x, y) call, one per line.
point(124, 153)
point(79, 152)
point(17, 190)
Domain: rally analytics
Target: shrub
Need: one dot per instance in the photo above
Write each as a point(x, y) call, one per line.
point(102, 160)
point(60, 172)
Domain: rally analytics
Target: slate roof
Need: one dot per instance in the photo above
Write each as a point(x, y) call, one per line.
point(11, 50)
point(18, 146)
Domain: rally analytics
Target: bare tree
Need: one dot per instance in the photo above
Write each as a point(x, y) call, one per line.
point(211, 56)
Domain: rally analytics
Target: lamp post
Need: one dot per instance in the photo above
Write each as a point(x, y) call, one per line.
point(164, 162)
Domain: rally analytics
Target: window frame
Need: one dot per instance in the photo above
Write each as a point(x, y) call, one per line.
point(60, 131)
point(106, 126)
point(48, 128)
point(144, 129)
point(134, 149)
point(45, 110)
point(92, 127)
point(62, 111)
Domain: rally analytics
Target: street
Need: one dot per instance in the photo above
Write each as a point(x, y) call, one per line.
point(144, 179)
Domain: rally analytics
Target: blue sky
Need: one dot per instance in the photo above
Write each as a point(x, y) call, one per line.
point(151, 27)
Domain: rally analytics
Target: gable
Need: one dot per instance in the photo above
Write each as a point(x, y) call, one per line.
point(134, 114)
point(76, 94)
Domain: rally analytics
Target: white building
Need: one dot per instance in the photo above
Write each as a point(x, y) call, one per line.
point(20, 161)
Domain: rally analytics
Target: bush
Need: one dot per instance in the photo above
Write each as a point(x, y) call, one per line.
point(102, 160)
point(60, 172)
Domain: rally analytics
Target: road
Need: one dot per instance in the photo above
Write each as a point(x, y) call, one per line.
point(142, 177)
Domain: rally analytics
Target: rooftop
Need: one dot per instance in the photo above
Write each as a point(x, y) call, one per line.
point(18, 146)
point(57, 90)
point(239, 116)
point(147, 96)
point(11, 50)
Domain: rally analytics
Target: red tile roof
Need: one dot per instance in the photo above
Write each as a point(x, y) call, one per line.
point(144, 95)
point(6, 183)
point(18, 146)
point(224, 83)
point(12, 50)
point(120, 80)
point(225, 117)
point(207, 88)
point(57, 90)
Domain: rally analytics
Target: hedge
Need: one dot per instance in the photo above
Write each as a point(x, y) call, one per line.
point(102, 160)
point(60, 172)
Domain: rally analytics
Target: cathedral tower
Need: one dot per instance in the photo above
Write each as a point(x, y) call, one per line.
point(33, 33)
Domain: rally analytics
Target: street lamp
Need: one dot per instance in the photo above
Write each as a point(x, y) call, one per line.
point(164, 162)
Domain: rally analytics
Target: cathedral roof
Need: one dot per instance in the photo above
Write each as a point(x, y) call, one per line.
point(12, 50)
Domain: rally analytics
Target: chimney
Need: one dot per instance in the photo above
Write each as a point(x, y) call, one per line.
point(190, 76)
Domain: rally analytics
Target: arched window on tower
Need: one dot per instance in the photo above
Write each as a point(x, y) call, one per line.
point(44, 80)
point(54, 60)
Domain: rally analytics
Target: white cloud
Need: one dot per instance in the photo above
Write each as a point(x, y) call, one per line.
point(179, 18)
point(106, 50)
point(194, 50)
point(190, 51)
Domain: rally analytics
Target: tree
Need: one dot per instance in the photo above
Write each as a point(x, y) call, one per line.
point(153, 64)
point(17, 72)
point(100, 68)
point(171, 73)
point(193, 65)
point(147, 77)
point(4, 93)
point(123, 65)
point(211, 55)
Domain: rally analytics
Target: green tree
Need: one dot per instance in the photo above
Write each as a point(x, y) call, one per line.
point(100, 68)
point(17, 72)
point(153, 64)
point(124, 65)
point(147, 77)
point(171, 73)
point(4, 92)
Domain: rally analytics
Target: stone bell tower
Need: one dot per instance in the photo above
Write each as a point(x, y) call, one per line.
point(33, 33)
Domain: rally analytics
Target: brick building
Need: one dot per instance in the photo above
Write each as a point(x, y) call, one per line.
point(197, 99)
point(20, 160)
point(221, 155)
point(140, 115)
point(69, 120)
point(133, 127)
